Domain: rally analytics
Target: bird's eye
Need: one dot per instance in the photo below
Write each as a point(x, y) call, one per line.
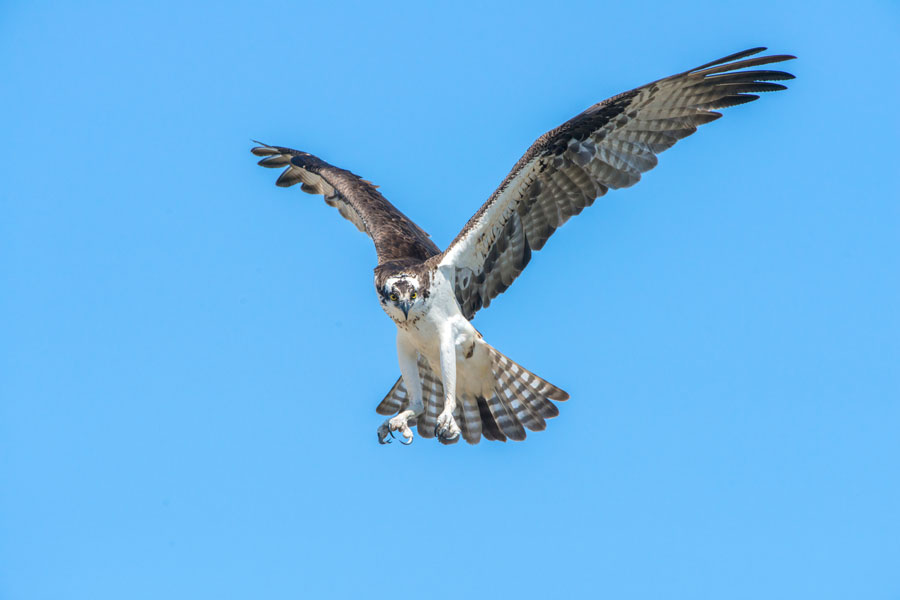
point(413, 295)
point(393, 297)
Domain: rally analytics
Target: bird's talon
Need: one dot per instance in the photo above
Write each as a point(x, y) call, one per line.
point(383, 435)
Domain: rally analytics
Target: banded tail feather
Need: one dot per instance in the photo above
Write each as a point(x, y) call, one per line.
point(469, 419)
point(397, 399)
point(526, 398)
point(521, 400)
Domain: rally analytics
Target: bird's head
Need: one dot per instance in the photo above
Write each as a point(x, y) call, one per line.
point(401, 296)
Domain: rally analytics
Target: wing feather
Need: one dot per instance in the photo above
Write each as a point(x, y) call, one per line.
point(608, 146)
point(395, 236)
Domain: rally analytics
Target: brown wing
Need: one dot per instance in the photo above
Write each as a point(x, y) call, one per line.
point(395, 235)
point(607, 146)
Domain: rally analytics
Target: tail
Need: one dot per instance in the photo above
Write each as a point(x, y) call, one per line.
point(521, 400)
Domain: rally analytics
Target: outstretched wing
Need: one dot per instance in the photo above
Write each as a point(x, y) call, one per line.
point(607, 146)
point(395, 235)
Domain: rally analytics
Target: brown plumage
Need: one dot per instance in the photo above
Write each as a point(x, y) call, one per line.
point(608, 146)
point(396, 237)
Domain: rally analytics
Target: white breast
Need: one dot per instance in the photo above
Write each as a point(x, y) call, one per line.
point(444, 320)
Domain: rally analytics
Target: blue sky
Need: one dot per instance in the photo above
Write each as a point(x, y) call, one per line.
point(190, 357)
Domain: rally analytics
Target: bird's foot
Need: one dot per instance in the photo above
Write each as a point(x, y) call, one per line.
point(446, 430)
point(398, 423)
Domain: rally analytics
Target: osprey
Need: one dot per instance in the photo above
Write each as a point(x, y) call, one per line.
point(453, 383)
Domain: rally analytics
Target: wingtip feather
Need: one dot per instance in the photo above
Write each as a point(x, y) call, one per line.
point(263, 149)
point(732, 57)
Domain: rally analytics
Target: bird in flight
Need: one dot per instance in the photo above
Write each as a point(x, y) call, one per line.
point(453, 383)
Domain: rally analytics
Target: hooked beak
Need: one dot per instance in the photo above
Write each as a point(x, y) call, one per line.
point(404, 306)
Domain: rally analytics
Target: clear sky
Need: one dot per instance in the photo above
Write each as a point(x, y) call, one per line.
point(190, 357)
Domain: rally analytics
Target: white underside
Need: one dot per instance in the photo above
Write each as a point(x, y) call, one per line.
point(442, 325)
point(437, 331)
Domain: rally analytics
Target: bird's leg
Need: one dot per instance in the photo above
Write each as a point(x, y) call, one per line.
point(409, 368)
point(447, 431)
